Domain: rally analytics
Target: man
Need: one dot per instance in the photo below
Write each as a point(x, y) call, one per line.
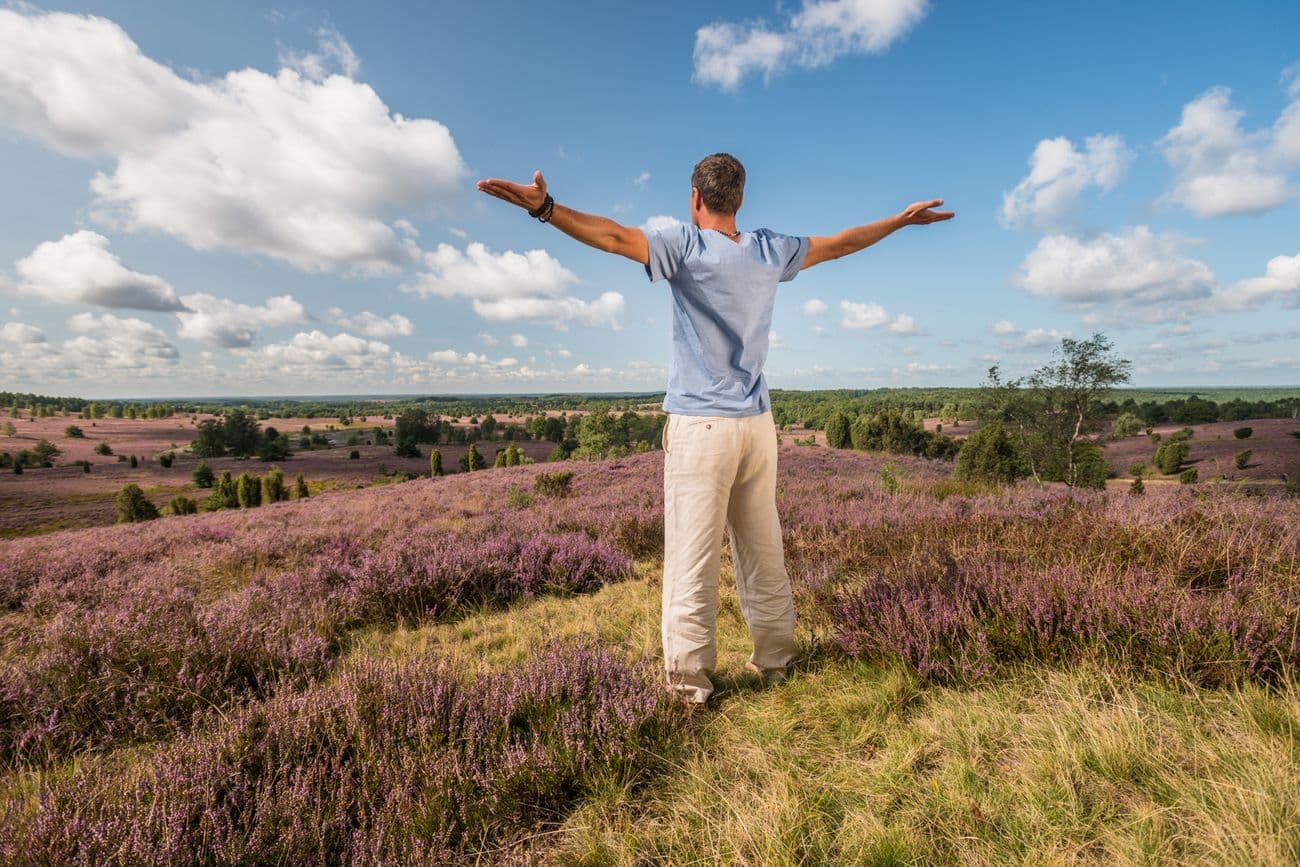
point(719, 439)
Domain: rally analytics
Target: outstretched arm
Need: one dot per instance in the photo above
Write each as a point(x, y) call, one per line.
point(599, 232)
point(822, 248)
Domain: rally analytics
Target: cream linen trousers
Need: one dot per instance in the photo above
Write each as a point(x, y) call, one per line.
point(720, 475)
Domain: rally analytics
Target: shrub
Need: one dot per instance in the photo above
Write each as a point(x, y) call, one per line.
point(300, 488)
point(103, 449)
point(553, 484)
point(166, 458)
point(74, 432)
point(354, 455)
point(1171, 455)
point(1137, 471)
point(1138, 488)
point(248, 491)
point(1126, 425)
point(1090, 467)
point(1243, 433)
point(557, 454)
point(837, 431)
point(1188, 476)
point(435, 463)
point(202, 476)
point(134, 462)
point(1242, 459)
point(472, 460)
point(406, 448)
point(181, 505)
point(518, 498)
point(990, 455)
point(1155, 437)
point(273, 487)
point(133, 505)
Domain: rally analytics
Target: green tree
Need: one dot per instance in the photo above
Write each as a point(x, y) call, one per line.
point(273, 488)
point(74, 432)
point(435, 463)
point(241, 433)
point(1242, 459)
point(1127, 425)
point(209, 439)
point(274, 446)
point(300, 488)
point(1170, 455)
point(44, 453)
point(1243, 433)
point(181, 505)
point(133, 505)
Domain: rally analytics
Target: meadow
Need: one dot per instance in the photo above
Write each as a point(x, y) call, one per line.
point(464, 670)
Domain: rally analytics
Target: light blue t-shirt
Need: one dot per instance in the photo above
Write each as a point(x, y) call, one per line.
point(723, 292)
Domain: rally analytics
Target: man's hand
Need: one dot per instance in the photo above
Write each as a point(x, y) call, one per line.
point(529, 197)
point(921, 213)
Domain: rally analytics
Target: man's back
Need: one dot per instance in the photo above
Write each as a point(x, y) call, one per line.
point(723, 292)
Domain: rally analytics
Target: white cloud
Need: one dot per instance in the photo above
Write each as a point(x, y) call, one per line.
point(510, 286)
point(372, 324)
point(905, 326)
point(1219, 169)
point(1281, 280)
point(642, 179)
point(821, 332)
point(451, 356)
point(1005, 326)
point(659, 222)
point(315, 351)
point(861, 315)
point(1135, 269)
point(21, 332)
point(1059, 173)
point(227, 323)
point(1036, 337)
point(80, 268)
point(814, 307)
point(307, 168)
point(115, 342)
point(518, 340)
point(488, 338)
point(815, 36)
point(564, 353)
point(332, 52)
point(775, 341)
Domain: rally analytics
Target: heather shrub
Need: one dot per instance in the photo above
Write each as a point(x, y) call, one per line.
point(394, 763)
point(990, 455)
point(133, 505)
point(1242, 433)
point(1242, 459)
point(1188, 476)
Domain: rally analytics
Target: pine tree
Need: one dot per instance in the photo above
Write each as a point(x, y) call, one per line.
point(435, 463)
point(133, 505)
point(301, 488)
point(273, 488)
point(248, 491)
point(202, 476)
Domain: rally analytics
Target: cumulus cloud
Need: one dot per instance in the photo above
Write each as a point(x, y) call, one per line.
point(518, 340)
point(1281, 281)
point(372, 324)
point(1005, 326)
point(332, 52)
point(451, 356)
point(814, 307)
point(1135, 269)
point(510, 286)
point(819, 33)
point(1219, 169)
point(21, 332)
point(860, 315)
point(314, 351)
point(116, 342)
point(659, 222)
point(227, 323)
point(307, 166)
point(488, 338)
point(80, 268)
point(1059, 172)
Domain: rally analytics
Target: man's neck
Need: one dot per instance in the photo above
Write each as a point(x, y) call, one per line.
point(725, 225)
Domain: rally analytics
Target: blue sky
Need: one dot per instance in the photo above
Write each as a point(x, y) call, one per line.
point(219, 199)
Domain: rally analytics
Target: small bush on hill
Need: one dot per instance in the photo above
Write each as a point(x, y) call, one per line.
point(990, 455)
point(553, 484)
point(1243, 433)
point(1242, 459)
point(1188, 476)
point(133, 505)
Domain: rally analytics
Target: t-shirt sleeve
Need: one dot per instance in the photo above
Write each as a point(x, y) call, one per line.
point(791, 250)
point(667, 249)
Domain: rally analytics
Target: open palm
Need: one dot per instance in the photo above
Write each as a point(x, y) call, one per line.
point(922, 213)
point(527, 196)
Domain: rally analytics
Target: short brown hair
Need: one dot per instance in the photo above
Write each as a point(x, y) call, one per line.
point(720, 178)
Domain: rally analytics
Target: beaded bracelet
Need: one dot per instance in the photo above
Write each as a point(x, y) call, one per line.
point(550, 211)
point(547, 202)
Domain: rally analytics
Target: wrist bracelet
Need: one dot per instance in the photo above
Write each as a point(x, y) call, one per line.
point(550, 211)
point(546, 202)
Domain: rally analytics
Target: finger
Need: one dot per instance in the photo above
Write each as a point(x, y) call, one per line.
point(539, 181)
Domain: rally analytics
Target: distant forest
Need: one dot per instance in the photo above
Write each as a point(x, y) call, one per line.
point(789, 406)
